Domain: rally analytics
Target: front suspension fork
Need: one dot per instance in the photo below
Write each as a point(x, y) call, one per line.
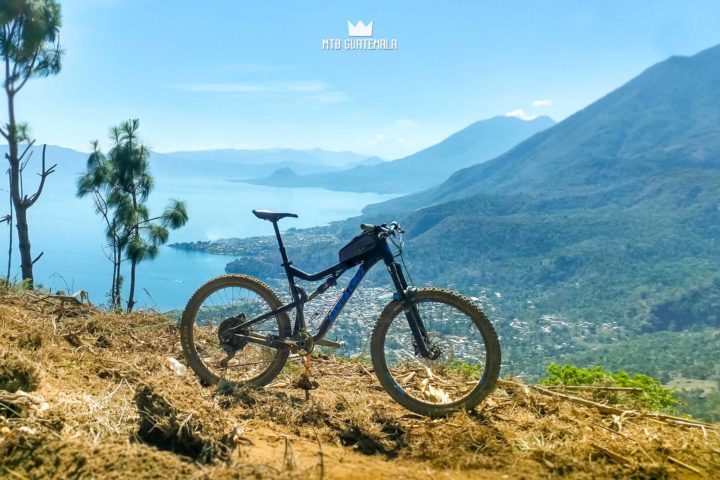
point(405, 294)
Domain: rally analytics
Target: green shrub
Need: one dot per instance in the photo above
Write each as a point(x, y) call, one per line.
point(653, 395)
point(465, 369)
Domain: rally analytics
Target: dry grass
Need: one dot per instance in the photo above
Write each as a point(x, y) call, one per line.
point(106, 405)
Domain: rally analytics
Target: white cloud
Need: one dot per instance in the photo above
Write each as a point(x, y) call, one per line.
point(312, 91)
point(521, 114)
point(308, 86)
point(542, 103)
point(328, 97)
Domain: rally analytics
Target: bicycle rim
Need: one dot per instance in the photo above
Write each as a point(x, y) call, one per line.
point(217, 314)
point(455, 335)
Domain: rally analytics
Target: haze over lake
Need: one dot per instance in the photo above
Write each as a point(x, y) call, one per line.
point(71, 235)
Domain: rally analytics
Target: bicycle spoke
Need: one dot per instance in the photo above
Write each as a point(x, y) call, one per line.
point(459, 344)
point(217, 317)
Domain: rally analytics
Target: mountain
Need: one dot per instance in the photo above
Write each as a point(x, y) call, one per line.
point(663, 123)
point(70, 163)
point(596, 230)
point(474, 144)
point(316, 156)
point(241, 164)
point(283, 177)
point(227, 164)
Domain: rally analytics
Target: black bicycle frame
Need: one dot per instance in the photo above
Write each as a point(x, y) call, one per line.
point(299, 298)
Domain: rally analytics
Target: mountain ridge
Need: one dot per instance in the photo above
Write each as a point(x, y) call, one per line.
point(473, 144)
point(642, 127)
point(227, 163)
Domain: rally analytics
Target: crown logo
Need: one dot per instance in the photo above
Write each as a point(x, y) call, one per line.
point(360, 30)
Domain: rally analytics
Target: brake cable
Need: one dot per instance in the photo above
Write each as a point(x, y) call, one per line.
point(399, 246)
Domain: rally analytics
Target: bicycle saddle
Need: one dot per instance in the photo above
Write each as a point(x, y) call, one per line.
point(272, 216)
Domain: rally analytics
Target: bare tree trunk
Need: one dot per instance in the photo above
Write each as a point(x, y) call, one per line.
point(20, 201)
point(17, 196)
point(117, 299)
point(10, 241)
point(133, 261)
point(23, 202)
point(102, 207)
point(114, 274)
point(26, 262)
point(131, 295)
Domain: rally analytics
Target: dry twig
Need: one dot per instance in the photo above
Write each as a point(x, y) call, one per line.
point(683, 464)
point(321, 454)
point(594, 388)
point(614, 455)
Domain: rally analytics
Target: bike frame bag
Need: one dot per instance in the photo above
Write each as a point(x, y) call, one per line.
point(358, 246)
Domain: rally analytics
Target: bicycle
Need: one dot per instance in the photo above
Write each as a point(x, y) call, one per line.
point(433, 351)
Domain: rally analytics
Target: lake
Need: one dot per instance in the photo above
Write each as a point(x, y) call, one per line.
point(71, 235)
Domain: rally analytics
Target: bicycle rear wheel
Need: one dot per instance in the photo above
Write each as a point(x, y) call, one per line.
point(213, 313)
point(468, 362)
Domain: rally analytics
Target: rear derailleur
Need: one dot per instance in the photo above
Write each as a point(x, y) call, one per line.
point(229, 341)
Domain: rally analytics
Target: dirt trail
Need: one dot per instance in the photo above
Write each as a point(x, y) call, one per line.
point(88, 394)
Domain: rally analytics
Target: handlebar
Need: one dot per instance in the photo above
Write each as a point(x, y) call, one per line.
point(384, 230)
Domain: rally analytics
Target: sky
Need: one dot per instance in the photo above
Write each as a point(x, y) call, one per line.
point(251, 74)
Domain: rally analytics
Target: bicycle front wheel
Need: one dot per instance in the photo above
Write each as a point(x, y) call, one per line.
point(461, 336)
point(213, 314)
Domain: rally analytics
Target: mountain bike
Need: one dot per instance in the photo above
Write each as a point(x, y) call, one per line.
point(433, 351)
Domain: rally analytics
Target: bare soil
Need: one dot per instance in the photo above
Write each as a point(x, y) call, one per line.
point(89, 394)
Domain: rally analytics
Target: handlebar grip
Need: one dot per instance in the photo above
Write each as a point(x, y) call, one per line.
point(367, 227)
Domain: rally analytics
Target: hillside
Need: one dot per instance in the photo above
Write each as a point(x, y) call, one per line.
point(101, 401)
point(608, 220)
point(659, 126)
point(554, 283)
point(474, 144)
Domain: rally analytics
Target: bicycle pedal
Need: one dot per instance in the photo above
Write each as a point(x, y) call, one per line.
point(330, 343)
point(306, 383)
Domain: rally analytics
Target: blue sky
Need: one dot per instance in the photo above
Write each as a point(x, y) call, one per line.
point(221, 74)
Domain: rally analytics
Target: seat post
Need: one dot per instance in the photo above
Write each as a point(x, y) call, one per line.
point(283, 254)
point(299, 318)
